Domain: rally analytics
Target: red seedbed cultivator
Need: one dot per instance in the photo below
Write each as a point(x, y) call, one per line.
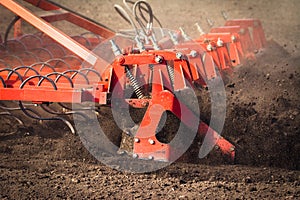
point(50, 67)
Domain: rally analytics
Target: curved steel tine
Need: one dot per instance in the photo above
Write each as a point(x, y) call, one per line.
point(50, 110)
point(15, 118)
point(75, 72)
point(10, 72)
point(73, 57)
point(14, 49)
point(58, 60)
point(91, 70)
point(62, 75)
point(25, 110)
point(37, 116)
point(41, 49)
point(37, 59)
point(40, 81)
point(43, 64)
point(68, 123)
point(5, 64)
point(57, 46)
point(2, 81)
point(86, 42)
point(9, 108)
point(31, 38)
point(93, 34)
point(26, 71)
point(19, 60)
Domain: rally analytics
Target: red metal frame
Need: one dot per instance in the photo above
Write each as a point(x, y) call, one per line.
point(233, 42)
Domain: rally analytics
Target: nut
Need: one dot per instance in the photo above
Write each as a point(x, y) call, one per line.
point(159, 59)
point(136, 140)
point(179, 55)
point(151, 141)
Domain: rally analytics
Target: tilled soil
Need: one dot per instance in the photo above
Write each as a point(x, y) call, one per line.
point(46, 161)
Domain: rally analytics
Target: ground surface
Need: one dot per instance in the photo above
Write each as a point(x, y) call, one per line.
point(46, 161)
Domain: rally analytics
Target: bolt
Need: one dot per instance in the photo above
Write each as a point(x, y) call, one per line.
point(232, 149)
point(219, 42)
point(151, 157)
point(233, 38)
point(159, 59)
point(209, 47)
point(179, 55)
point(151, 141)
point(135, 155)
point(136, 140)
point(121, 60)
point(193, 53)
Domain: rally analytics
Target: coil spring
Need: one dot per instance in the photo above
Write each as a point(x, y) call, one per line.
point(136, 86)
point(171, 73)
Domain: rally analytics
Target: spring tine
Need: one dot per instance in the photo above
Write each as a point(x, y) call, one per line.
point(93, 34)
point(10, 72)
point(72, 57)
point(68, 123)
point(31, 39)
point(5, 64)
point(15, 117)
point(50, 110)
point(86, 42)
point(58, 60)
point(37, 116)
point(43, 64)
point(53, 48)
point(3, 82)
point(41, 56)
point(32, 55)
point(25, 110)
point(21, 47)
point(14, 58)
point(91, 70)
point(40, 81)
point(59, 75)
point(26, 71)
point(75, 72)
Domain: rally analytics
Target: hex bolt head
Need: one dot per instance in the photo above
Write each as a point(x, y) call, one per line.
point(233, 38)
point(158, 59)
point(136, 140)
point(232, 149)
point(209, 47)
point(220, 42)
point(151, 141)
point(135, 155)
point(121, 60)
point(179, 55)
point(150, 157)
point(193, 53)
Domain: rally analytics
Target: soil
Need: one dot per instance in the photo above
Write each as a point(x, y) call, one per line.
point(45, 160)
